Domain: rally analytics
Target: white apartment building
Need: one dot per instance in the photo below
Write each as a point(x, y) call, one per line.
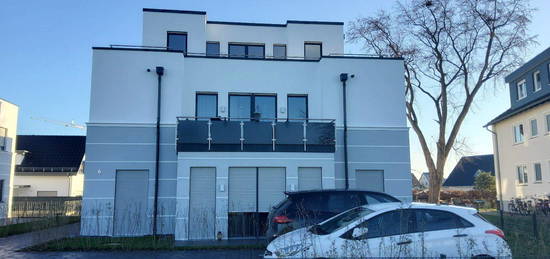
point(248, 111)
point(521, 139)
point(8, 130)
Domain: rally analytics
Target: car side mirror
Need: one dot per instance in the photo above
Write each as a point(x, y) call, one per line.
point(359, 232)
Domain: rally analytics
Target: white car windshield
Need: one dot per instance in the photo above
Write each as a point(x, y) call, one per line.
point(340, 221)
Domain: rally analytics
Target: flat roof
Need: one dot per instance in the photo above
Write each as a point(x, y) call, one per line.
point(242, 23)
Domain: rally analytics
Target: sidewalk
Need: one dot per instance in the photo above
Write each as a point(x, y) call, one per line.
point(9, 245)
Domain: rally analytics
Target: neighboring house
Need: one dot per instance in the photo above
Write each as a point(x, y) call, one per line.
point(247, 112)
point(463, 176)
point(425, 179)
point(8, 131)
point(522, 133)
point(415, 183)
point(49, 166)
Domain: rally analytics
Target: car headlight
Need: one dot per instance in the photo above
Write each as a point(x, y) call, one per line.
point(291, 250)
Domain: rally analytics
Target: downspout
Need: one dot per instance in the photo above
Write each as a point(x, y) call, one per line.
point(499, 179)
point(343, 79)
point(160, 73)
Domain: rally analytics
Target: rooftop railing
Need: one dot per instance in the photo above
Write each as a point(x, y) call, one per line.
point(203, 134)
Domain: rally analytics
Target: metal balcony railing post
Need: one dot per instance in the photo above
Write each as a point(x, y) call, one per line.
point(305, 136)
point(273, 139)
point(242, 135)
point(209, 134)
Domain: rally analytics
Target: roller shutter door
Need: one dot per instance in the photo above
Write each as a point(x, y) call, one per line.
point(131, 203)
point(310, 178)
point(242, 189)
point(370, 180)
point(202, 203)
point(271, 183)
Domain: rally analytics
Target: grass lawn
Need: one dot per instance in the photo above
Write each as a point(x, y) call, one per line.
point(40, 224)
point(519, 234)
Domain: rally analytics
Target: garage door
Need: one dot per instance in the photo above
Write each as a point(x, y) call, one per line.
point(309, 178)
point(131, 203)
point(253, 191)
point(370, 180)
point(202, 203)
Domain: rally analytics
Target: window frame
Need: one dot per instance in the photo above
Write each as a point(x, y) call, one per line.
point(522, 177)
point(252, 102)
point(547, 122)
point(168, 33)
point(245, 45)
point(295, 96)
point(2, 181)
point(280, 45)
point(531, 127)
point(3, 140)
point(212, 55)
point(522, 132)
point(524, 86)
point(535, 172)
point(197, 102)
point(535, 88)
point(313, 43)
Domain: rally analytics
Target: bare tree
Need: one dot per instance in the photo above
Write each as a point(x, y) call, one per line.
point(451, 48)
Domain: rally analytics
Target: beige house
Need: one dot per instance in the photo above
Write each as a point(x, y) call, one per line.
point(8, 130)
point(521, 135)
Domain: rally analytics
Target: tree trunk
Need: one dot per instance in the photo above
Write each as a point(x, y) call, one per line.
point(435, 186)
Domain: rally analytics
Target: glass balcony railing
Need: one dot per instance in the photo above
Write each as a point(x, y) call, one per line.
point(196, 134)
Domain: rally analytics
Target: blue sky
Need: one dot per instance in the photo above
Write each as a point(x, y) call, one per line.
point(45, 53)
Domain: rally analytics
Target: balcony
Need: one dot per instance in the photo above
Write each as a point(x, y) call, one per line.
point(252, 135)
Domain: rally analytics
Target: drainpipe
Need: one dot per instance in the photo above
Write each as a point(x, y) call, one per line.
point(497, 159)
point(160, 73)
point(344, 79)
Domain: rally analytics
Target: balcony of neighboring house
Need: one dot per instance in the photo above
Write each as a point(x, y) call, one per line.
point(220, 134)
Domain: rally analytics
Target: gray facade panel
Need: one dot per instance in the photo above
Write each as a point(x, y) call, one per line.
point(374, 154)
point(374, 137)
point(106, 170)
point(134, 134)
point(128, 152)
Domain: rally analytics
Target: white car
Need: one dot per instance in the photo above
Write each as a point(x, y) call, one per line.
point(395, 230)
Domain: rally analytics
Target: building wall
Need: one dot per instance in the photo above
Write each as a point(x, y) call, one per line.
point(61, 184)
point(157, 24)
point(8, 119)
point(539, 63)
point(532, 150)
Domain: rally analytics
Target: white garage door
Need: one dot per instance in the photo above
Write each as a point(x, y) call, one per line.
point(370, 180)
point(242, 189)
point(310, 178)
point(271, 187)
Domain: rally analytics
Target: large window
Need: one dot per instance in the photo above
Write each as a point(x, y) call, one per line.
point(538, 172)
point(521, 89)
point(518, 133)
point(279, 51)
point(212, 49)
point(522, 174)
point(297, 107)
point(537, 83)
point(256, 106)
point(246, 51)
point(206, 105)
point(177, 41)
point(534, 128)
point(312, 50)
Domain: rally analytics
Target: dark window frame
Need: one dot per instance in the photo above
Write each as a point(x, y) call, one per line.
point(197, 101)
point(3, 141)
point(280, 45)
point(213, 55)
point(245, 45)
point(297, 95)
point(168, 33)
point(252, 102)
point(314, 43)
point(2, 190)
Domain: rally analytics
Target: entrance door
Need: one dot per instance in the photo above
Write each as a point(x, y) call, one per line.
point(202, 203)
point(131, 203)
point(253, 191)
point(370, 180)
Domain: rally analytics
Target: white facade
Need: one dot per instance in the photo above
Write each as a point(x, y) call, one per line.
point(121, 136)
point(8, 131)
point(56, 184)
